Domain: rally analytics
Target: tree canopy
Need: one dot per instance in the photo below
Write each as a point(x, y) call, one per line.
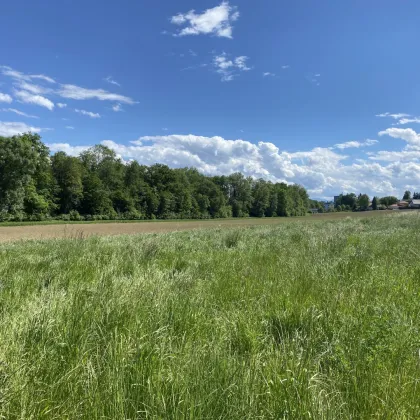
point(97, 184)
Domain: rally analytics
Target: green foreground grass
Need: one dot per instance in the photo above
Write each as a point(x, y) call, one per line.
point(316, 321)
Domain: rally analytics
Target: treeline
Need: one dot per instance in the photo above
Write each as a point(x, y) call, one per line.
point(35, 185)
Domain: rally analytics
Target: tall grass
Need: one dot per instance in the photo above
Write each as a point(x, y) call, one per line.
point(299, 321)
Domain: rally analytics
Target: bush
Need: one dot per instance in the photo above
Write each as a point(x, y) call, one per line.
point(75, 216)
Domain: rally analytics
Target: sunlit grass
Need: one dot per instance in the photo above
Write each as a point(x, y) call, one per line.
point(293, 321)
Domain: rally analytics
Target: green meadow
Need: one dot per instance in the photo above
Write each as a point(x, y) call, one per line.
point(295, 321)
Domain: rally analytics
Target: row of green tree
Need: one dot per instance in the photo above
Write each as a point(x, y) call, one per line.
point(35, 185)
point(362, 201)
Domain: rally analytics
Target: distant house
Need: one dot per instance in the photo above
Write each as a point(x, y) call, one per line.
point(328, 205)
point(403, 204)
point(314, 211)
point(393, 207)
point(414, 204)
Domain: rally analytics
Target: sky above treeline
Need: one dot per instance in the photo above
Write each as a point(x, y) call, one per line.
point(323, 94)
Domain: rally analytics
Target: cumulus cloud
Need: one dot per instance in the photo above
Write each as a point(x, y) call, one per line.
point(110, 80)
point(30, 98)
point(61, 105)
point(229, 68)
point(8, 129)
point(88, 113)
point(67, 148)
point(323, 171)
point(216, 21)
point(4, 97)
point(406, 134)
point(355, 144)
point(16, 111)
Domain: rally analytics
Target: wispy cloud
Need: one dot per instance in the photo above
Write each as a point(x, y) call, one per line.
point(355, 144)
point(117, 108)
point(394, 116)
point(192, 53)
point(69, 127)
point(110, 80)
point(404, 121)
point(8, 71)
point(61, 105)
point(267, 74)
point(285, 67)
point(227, 68)
point(16, 111)
point(29, 98)
point(8, 129)
point(87, 113)
point(80, 93)
point(35, 89)
point(4, 97)
point(216, 21)
point(69, 91)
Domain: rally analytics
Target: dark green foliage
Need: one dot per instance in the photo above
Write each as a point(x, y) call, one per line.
point(99, 185)
point(407, 195)
point(375, 203)
point(388, 201)
point(363, 201)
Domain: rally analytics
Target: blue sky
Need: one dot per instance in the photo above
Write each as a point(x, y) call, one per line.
point(323, 93)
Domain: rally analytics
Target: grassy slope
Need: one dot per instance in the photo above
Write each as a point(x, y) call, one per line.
point(293, 321)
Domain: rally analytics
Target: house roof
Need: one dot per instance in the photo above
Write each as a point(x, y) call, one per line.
point(416, 202)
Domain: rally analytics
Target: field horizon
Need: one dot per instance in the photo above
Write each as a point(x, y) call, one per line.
point(11, 231)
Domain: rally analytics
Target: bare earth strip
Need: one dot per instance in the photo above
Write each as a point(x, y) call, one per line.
point(15, 233)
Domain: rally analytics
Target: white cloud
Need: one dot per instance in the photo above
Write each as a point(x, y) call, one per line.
point(117, 108)
point(240, 63)
point(227, 68)
point(69, 91)
point(42, 77)
point(110, 80)
point(404, 121)
point(65, 147)
point(80, 93)
point(35, 89)
point(88, 113)
point(406, 134)
point(69, 127)
point(8, 71)
point(192, 53)
point(216, 21)
point(4, 97)
point(285, 67)
point(267, 73)
point(355, 144)
point(61, 105)
point(16, 111)
point(8, 129)
point(34, 99)
point(323, 171)
point(394, 116)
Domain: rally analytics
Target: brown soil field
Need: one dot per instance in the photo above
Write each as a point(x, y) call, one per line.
point(62, 230)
